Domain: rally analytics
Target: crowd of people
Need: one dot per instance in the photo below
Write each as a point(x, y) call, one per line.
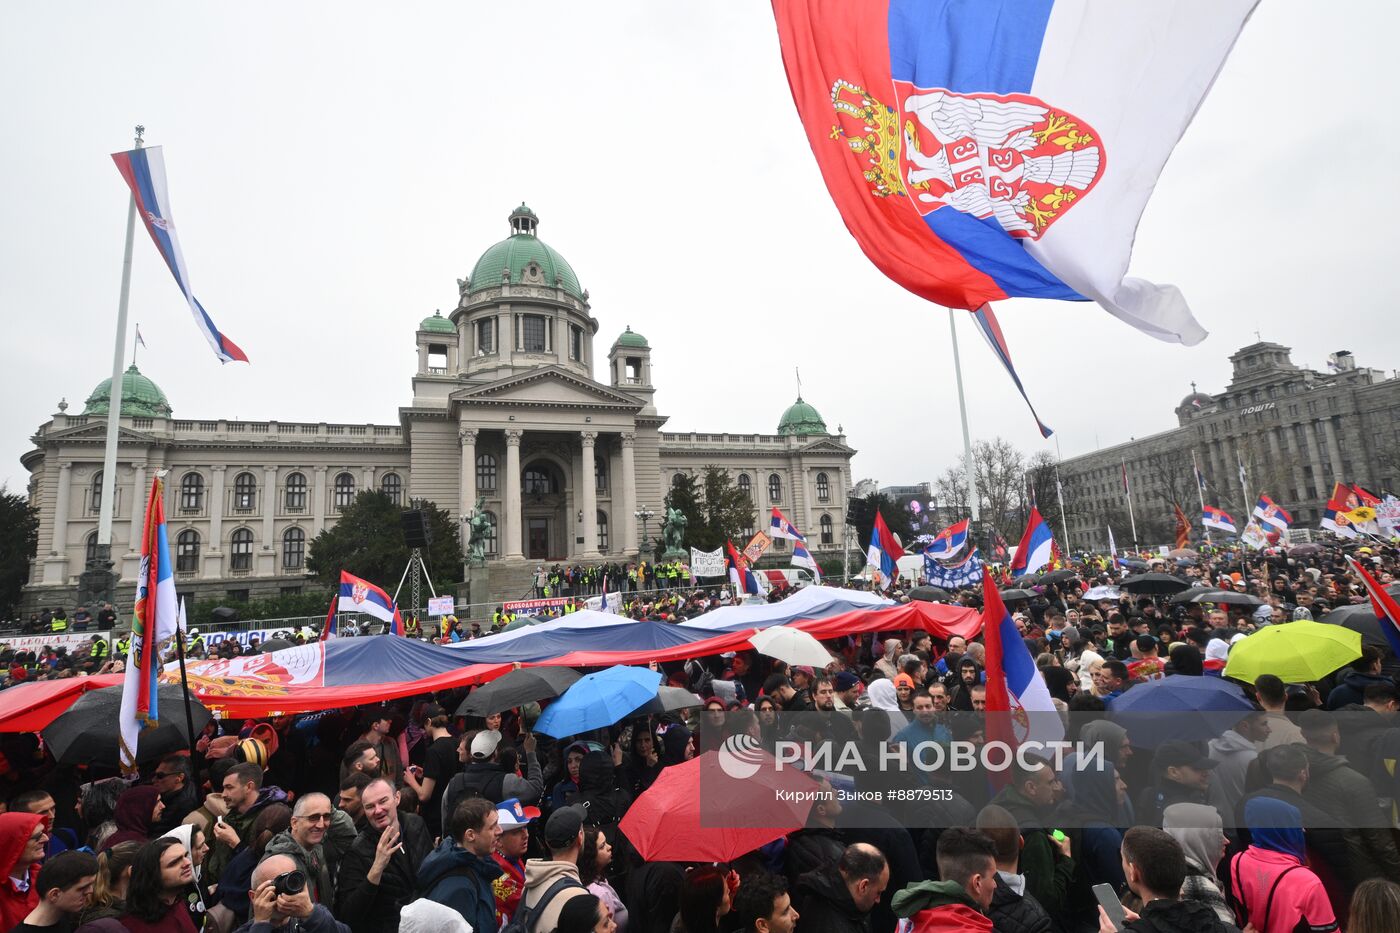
point(408, 816)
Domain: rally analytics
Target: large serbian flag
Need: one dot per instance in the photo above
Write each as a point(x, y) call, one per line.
point(884, 553)
point(1213, 517)
point(1270, 513)
point(985, 149)
point(153, 623)
point(948, 542)
point(144, 171)
point(358, 595)
point(1015, 686)
point(1036, 547)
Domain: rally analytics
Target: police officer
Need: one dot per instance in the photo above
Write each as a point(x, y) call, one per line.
point(99, 650)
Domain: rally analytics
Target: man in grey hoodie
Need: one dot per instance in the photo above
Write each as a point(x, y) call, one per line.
point(317, 838)
point(1233, 752)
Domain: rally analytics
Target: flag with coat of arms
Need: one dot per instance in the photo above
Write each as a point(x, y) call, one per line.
point(953, 576)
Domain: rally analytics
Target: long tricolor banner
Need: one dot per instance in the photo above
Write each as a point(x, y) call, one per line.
point(144, 171)
point(153, 624)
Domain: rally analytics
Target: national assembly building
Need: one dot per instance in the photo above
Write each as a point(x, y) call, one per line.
point(505, 411)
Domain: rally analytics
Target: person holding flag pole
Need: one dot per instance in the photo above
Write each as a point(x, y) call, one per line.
point(1200, 488)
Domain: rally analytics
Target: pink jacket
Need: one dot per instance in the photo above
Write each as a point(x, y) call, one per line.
point(1296, 895)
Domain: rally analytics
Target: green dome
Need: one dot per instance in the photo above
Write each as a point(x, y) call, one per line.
point(437, 324)
point(516, 252)
point(801, 419)
point(141, 398)
point(630, 338)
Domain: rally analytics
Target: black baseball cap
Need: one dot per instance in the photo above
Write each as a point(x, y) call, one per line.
point(562, 827)
point(1176, 754)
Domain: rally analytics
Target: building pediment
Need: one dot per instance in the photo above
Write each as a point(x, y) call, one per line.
point(827, 446)
point(93, 433)
point(547, 387)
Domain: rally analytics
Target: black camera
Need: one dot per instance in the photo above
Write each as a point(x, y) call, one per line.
point(289, 882)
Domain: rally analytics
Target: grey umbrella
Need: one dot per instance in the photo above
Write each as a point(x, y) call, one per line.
point(88, 732)
point(1227, 598)
point(1015, 594)
point(1189, 594)
point(1154, 584)
point(669, 699)
point(517, 688)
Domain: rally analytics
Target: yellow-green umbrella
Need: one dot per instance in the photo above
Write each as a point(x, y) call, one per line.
point(1293, 651)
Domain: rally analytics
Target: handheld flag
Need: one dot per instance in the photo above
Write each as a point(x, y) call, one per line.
point(1112, 545)
point(1183, 527)
point(1014, 684)
point(1387, 610)
point(884, 552)
point(780, 527)
point(1034, 550)
point(740, 574)
point(958, 136)
point(1270, 513)
point(991, 330)
point(153, 624)
point(328, 630)
point(1212, 517)
point(963, 573)
point(1348, 511)
point(144, 171)
point(948, 542)
point(358, 595)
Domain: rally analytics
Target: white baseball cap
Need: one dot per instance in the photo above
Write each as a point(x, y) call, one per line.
point(484, 745)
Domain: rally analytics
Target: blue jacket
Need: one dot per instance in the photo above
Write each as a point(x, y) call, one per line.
point(459, 879)
point(916, 732)
point(320, 921)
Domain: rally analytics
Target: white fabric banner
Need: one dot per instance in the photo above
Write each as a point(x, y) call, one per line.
point(707, 563)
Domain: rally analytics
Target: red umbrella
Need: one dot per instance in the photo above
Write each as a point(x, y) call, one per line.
point(719, 805)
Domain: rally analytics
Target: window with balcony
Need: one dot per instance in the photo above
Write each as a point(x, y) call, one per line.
point(245, 492)
point(293, 549)
point(823, 488)
point(485, 473)
point(294, 494)
point(191, 492)
point(241, 551)
point(187, 551)
point(344, 490)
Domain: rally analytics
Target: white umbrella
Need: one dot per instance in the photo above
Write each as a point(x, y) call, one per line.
point(1102, 592)
point(791, 645)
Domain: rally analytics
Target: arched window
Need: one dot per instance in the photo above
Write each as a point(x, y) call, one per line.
point(245, 492)
point(96, 493)
point(600, 474)
point(191, 492)
point(392, 486)
point(90, 551)
point(602, 531)
point(489, 538)
point(187, 551)
point(344, 490)
point(775, 488)
point(828, 535)
point(293, 549)
point(485, 473)
point(540, 480)
point(241, 550)
point(295, 492)
point(746, 485)
point(823, 488)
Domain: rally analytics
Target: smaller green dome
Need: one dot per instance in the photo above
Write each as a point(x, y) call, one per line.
point(801, 419)
point(437, 324)
point(141, 398)
point(630, 338)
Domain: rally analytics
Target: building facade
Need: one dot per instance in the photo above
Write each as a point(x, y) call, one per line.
point(1295, 430)
point(505, 415)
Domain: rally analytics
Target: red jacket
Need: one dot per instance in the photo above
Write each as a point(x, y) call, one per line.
point(952, 918)
point(15, 905)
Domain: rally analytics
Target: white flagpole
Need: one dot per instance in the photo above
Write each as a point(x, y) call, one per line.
point(114, 402)
point(1128, 491)
point(1200, 493)
point(1060, 491)
point(969, 464)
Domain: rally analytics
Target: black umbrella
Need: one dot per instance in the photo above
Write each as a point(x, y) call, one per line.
point(1360, 618)
point(1029, 580)
point(1059, 576)
point(88, 732)
point(1012, 595)
point(517, 688)
point(1133, 562)
point(1227, 598)
point(1304, 550)
point(1191, 592)
point(274, 644)
point(667, 700)
point(1154, 584)
point(931, 594)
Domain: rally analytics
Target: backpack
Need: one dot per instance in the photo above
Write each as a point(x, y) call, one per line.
point(1237, 904)
point(524, 919)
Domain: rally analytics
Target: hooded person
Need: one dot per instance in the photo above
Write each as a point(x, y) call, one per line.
point(21, 854)
point(136, 811)
point(1114, 740)
point(883, 697)
point(1096, 808)
point(962, 696)
point(675, 740)
point(1270, 883)
point(1200, 831)
point(194, 898)
point(888, 664)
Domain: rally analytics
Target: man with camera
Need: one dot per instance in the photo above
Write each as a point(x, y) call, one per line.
point(280, 901)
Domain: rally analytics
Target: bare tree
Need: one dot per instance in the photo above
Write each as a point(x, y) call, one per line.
point(1001, 470)
point(1040, 477)
point(951, 490)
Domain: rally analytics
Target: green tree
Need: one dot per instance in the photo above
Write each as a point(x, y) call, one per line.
point(368, 542)
point(728, 510)
point(863, 517)
point(19, 539)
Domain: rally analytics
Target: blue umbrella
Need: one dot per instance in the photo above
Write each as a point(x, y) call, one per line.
point(599, 700)
point(1179, 707)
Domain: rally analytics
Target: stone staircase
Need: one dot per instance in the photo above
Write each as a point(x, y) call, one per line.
point(507, 580)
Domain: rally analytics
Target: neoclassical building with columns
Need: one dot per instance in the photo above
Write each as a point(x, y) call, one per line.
point(505, 411)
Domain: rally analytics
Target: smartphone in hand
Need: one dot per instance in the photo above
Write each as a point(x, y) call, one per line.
point(1108, 900)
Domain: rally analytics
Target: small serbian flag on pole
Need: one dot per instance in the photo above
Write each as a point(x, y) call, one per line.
point(1387, 610)
point(1036, 547)
point(884, 552)
point(948, 542)
point(991, 330)
point(780, 527)
point(144, 171)
point(358, 595)
point(740, 574)
point(1015, 687)
point(1212, 517)
point(1270, 513)
point(986, 149)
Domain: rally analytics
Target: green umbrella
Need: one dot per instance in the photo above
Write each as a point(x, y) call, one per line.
point(1294, 651)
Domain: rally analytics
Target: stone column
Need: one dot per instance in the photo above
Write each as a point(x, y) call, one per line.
point(625, 497)
point(466, 497)
point(367, 479)
point(318, 501)
point(1295, 462)
point(512, 548)
point(138, 507)
point(1334, 449)
point(268, 556)
point(1321, 480)
point(60, 510)
point(216, 510)
point(590, 495)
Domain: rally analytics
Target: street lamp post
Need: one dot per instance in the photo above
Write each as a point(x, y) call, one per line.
point(645, 514)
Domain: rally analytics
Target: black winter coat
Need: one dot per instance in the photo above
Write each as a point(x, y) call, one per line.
point(1016, 913)
point(1177, 917)
point(372, 908)
point(824, 903)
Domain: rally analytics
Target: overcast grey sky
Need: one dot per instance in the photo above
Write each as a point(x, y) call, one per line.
point(335, 167)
